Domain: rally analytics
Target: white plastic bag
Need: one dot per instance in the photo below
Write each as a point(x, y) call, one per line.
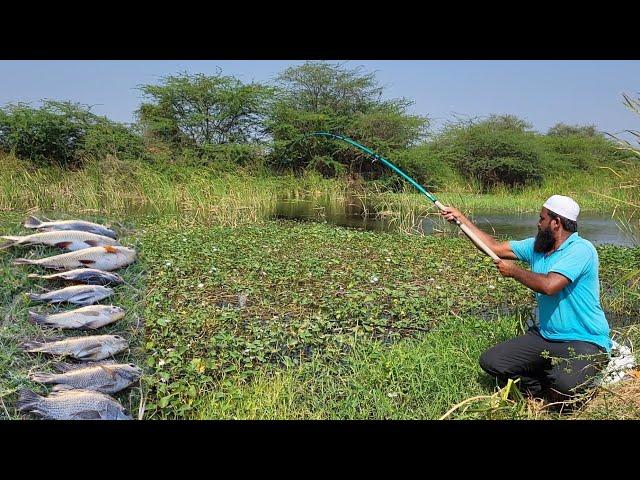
point(622, 360)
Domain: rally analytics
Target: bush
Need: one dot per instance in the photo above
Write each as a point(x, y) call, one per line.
point(108, 138)
point(46, 135)
point(563, 153)
point(423, 165)
point(495, 151)
point(63, 133)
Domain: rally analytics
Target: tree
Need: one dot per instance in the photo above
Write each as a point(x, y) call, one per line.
point(497, 150)
point(319, 96)
point(564, 130)
point(202, 110)
point(62, 133)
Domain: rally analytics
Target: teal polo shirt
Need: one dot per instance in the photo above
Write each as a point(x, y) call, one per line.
point(574, 313)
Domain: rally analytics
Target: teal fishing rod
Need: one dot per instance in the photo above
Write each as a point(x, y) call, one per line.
point(472, 236)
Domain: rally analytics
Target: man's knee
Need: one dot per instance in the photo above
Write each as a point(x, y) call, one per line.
point(489, 362)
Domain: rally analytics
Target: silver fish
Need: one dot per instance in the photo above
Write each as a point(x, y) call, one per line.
point(91, 317)
point(89, 276)
point(103, 258)
point(96, 347)
point(72, 405)
point(49, 225)
point(78, 294)
point(71, 240)
point(105, 377)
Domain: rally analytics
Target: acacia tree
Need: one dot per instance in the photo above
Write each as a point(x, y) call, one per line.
point(319, 96)
point(63, 133)
point(203, 110)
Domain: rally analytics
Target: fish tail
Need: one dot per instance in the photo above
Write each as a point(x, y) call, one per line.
point(28, 400)
point(37, 318)
point(32, 346)
point(42, 377)
point(24, 261)
point(10, 242)
point(32, 222)
point(34, 296)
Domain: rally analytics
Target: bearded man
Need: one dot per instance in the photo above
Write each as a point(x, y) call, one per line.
point(560, 355)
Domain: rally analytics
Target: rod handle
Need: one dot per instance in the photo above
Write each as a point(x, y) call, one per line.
point(472, 236)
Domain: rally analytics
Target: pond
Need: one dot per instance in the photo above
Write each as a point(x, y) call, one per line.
point(597, 228)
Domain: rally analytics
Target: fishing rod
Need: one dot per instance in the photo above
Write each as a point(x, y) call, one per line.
point(472, 236)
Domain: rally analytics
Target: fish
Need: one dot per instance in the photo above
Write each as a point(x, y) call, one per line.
point(105, 377)
point(96, 347)
point(71, 240)
point(78, 294)
point(103, 258)
point(89, 276)
point(76, 404)
point(91, 317)
point(49, 225)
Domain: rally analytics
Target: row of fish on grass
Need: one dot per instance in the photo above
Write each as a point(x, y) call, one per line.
point(81, 391)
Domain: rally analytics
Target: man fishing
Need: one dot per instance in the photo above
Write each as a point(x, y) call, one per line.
point(558, 357)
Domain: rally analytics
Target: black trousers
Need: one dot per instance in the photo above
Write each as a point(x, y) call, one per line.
point(545, 367)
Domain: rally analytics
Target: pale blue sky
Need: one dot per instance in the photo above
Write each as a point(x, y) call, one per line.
point(542, 92)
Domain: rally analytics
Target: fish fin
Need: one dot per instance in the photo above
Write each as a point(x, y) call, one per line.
point(31, 346)
point(83, 299)
point(87, 262)
point(37, 318)
point(61, 387)
point(63, 245)
point(24, 261)
point(86, 352)
point(10, 241)
point(87, 415)
point(42, 377)
point(91, 313)
point(32, 222)
point(92, 243)
point(34, 296)
point(65, 367)
point(27, 400)
point(46, 219)
point(110, 371)
point(110, 249)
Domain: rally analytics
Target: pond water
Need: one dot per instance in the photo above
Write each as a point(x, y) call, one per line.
point(597, 228)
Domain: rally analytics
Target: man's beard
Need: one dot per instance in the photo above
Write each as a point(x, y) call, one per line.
point(544, 241)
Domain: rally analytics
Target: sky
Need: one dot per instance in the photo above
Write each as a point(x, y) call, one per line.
point(539, 91)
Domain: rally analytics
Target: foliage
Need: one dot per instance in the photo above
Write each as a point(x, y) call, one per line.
point(319, 96)
point(63, 133)
point(497, 150)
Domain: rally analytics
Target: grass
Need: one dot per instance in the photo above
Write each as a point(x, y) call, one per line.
point(15, 365)
point(290, 320)
point(237, 316)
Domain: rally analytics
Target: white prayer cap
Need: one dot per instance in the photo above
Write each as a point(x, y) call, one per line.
point(563, 206)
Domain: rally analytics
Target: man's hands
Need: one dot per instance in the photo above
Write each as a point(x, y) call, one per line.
point(451, 214)
point(507, 267)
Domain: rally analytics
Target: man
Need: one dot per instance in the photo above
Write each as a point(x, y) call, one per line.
point(558, 357)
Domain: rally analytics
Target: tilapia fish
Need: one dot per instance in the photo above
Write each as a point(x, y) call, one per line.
point(89, 276)
point(105, 377)
point(97, 347)
point(72, 405)
point(102, 258)
point(49, 225)
point(78, 294)
point(67, 240)
point(92, 317)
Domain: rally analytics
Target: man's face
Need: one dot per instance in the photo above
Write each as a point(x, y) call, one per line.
point(544, 239)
